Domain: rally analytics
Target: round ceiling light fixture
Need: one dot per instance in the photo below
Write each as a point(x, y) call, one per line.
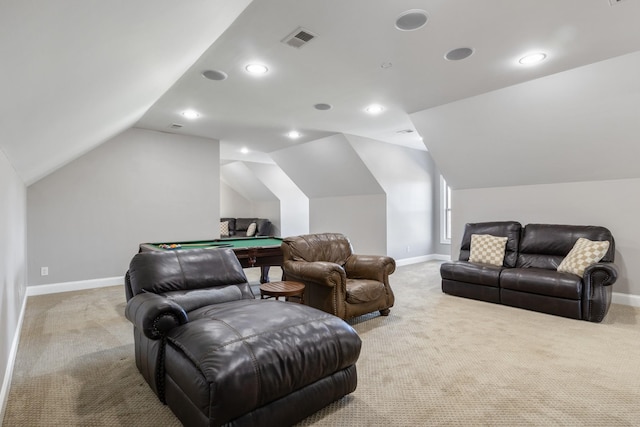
point(244, 150)
point(256, 69)
point(293, 134)
point(533, 58)
point(411, 20)
point(374, 109)
point(458, 54)
point(323, 107)
point(214, 75)
point(190, 114)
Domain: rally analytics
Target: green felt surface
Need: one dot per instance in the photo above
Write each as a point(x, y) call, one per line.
point(240, 242)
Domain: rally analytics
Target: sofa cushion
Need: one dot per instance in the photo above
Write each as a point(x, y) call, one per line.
point(546, 245)
point(479, 274)
point(242, 224)
point(363, 290)
point(583, 254)
point(487, 249)
point(542, 282)
point(163, 272)
point(509, 229)
point(251, 230)
point(252, 352)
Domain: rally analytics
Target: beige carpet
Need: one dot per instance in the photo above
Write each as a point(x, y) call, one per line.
point(437, 360)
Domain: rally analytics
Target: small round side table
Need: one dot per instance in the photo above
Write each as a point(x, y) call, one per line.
point(284, 289)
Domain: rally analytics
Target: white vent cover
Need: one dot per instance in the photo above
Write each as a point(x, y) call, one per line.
point(298, 38)
point(614, 2)
point(175, 126)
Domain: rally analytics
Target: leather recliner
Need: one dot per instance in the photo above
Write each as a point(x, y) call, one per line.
point(337, 280)
point(216, 355)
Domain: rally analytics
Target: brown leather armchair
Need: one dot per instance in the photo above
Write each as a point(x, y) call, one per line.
point(336, 280)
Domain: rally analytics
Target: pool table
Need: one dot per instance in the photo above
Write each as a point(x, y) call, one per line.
point(259, 251)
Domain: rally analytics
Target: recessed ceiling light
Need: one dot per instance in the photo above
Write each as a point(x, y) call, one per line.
point(191, 114)
point(244, 150)
point(458, 54)
point(256, 68)
point(411, 20)
point(214, 74)
point(322, 106)
point(532, 58)
point(374, 109)
point(293, 134)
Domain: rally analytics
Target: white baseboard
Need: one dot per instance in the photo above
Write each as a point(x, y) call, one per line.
point(8, 374)
point(80, 285)
point(423, 258)
point(625, 299)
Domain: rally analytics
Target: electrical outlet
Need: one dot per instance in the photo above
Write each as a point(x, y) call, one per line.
point(44, 271)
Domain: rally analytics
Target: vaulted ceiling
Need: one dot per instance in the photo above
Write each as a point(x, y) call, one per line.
point(77, 73)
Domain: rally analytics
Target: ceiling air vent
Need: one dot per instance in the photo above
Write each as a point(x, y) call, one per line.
point(175, 126)
point(298, 38)
point(614, 2)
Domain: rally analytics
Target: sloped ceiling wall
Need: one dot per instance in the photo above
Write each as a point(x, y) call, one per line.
point(578, 125)
point(327, 167)
point(239, 176)
point(66, 70)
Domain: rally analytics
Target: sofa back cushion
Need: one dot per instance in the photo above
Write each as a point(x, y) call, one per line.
point(546, 245)
point(509, 229)
point(329, 247)
point(194, 277)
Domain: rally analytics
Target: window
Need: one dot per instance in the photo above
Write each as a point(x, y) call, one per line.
point(445, 214)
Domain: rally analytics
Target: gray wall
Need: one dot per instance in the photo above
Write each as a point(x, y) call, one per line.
point(409, 179)
point(362, 218)
point(85, 220)
point(344, 196)
point(13, 257)
point(613, 204)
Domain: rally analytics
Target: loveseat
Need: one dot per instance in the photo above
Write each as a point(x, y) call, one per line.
point(237, 227)
point(528, 273)
point(218, 356)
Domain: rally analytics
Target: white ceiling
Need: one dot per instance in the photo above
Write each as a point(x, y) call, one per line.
point(342, 65)
point(76, 73)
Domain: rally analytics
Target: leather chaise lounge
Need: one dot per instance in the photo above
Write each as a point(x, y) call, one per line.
point(529, 276)
point(216, 355)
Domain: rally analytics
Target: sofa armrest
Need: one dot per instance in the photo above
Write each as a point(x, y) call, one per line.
point(154, 314)
point(601, 274)
point(372, 267)
point(321, 272)
point(597, 280)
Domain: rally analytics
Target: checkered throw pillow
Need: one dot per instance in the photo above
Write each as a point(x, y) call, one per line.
point(251, 230)
point(224, 228)
point(487, 249)
point(584, 253)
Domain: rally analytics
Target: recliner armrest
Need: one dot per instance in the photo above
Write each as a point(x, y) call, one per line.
point(322, 272)
point(373, 267)
point(154, 314)
point(601, 274)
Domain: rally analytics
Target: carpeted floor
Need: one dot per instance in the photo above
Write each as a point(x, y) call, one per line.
point(437, 360)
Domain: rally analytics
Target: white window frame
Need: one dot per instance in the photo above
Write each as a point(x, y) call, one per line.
point(445, 212)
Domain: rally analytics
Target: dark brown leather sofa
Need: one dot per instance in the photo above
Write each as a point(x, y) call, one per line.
point(218, 356)
point(528, 277)
point(238, 227)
